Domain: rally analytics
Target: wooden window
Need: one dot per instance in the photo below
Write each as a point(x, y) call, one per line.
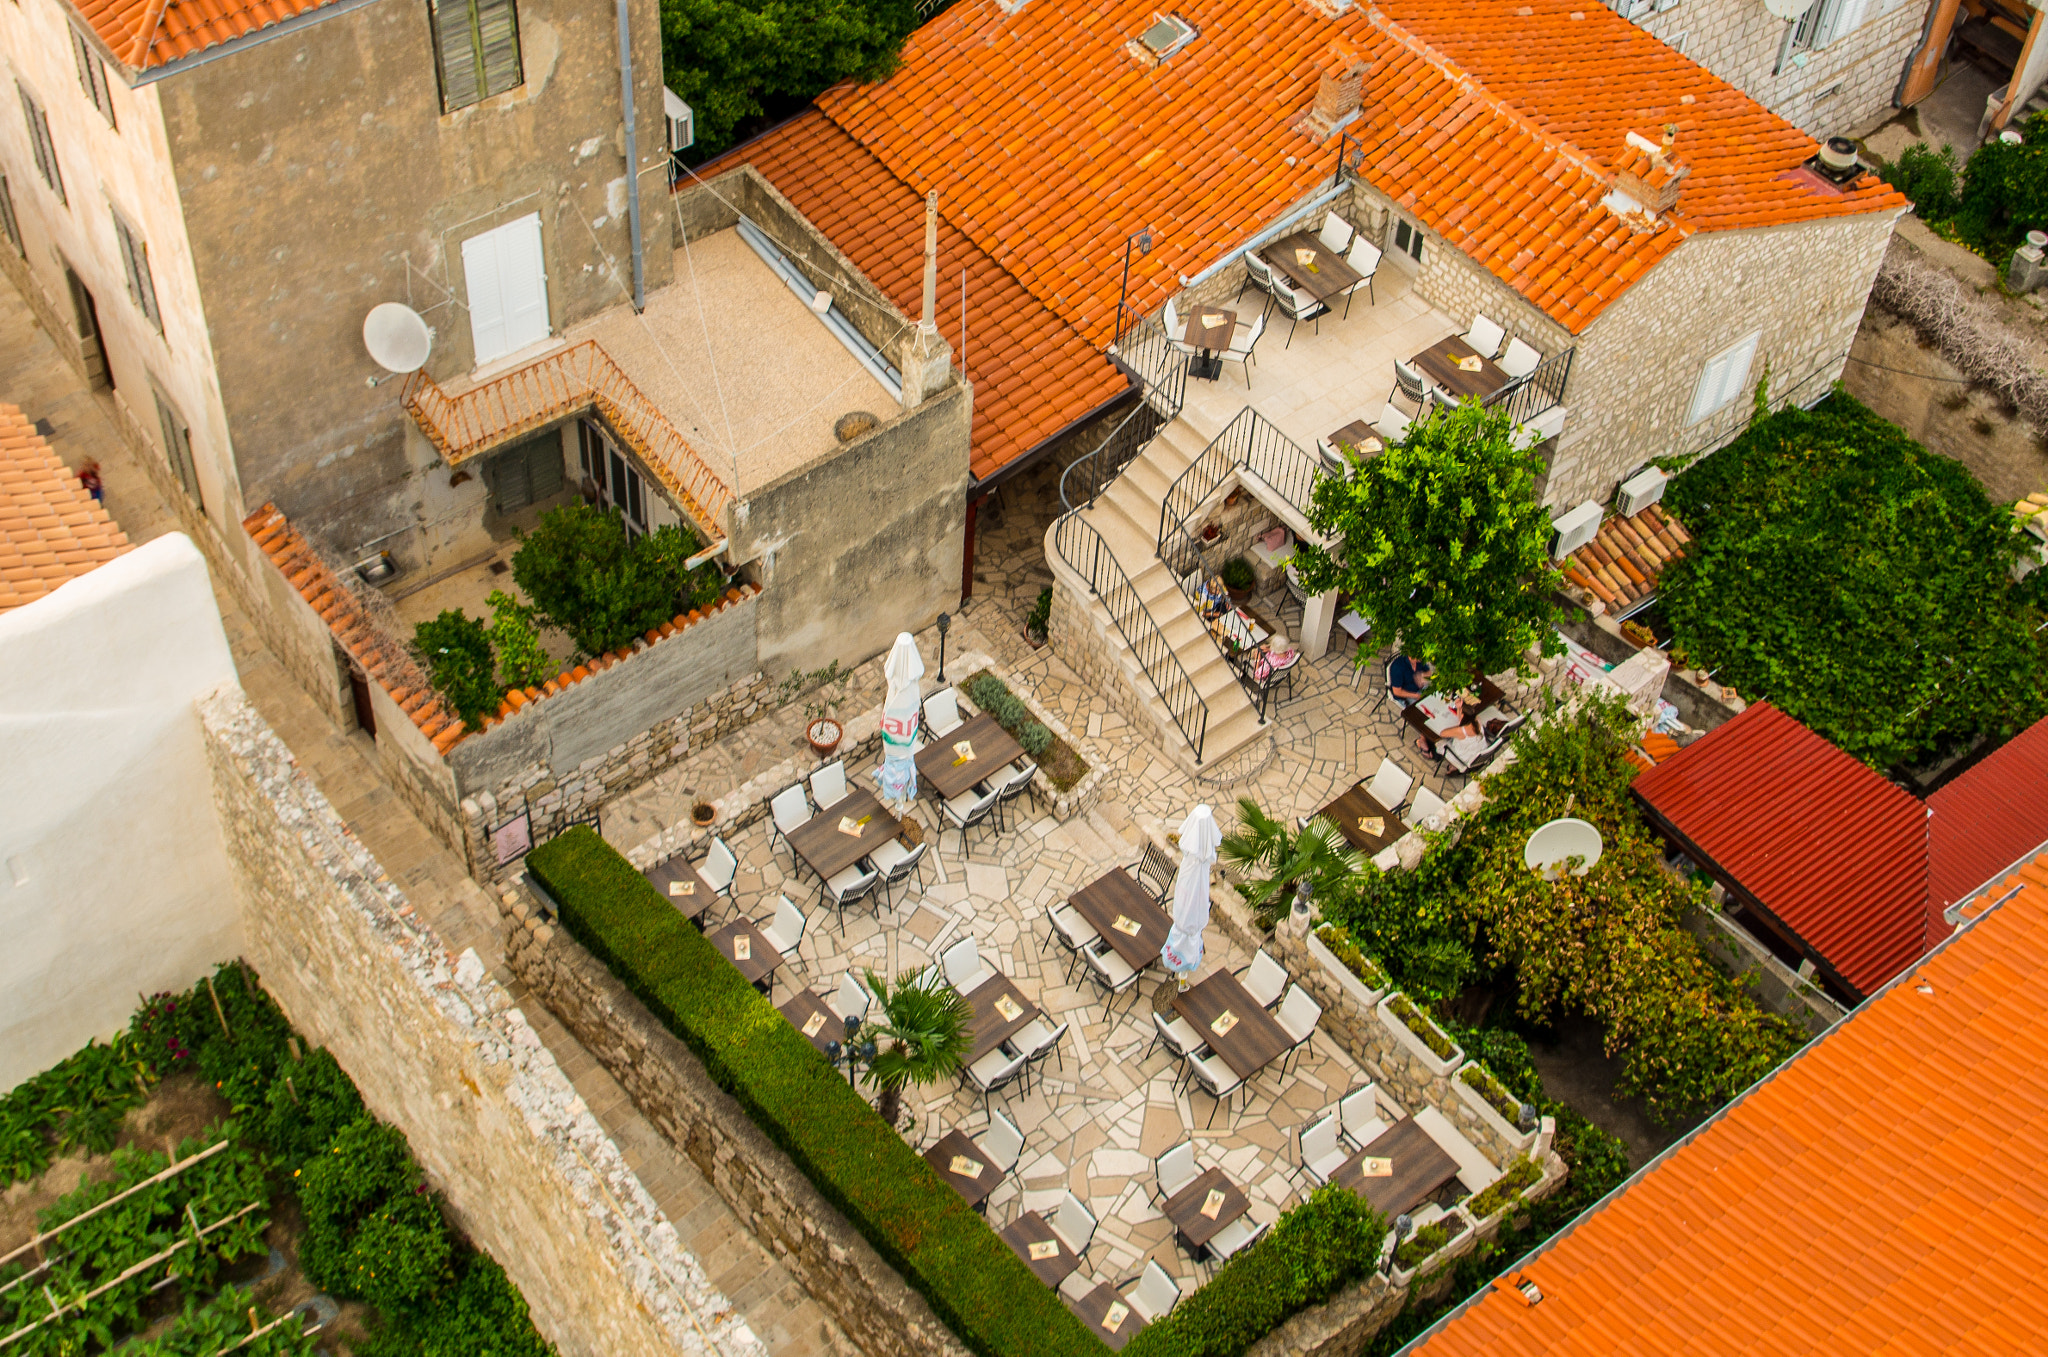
point(506, 272)
point(1827, 20)
point(39, 141)
point(92, 76)
point(1723, 379)
point(525, 473)
point(1408, 240)
point(178, 449)
point(476, 45)
point(135, 261)
point(7, 221)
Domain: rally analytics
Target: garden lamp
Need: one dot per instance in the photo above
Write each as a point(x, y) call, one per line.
point(944, 623)
point(1527, 1120)
point(1143, 240)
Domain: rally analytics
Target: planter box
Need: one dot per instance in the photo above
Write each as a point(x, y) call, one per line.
point(1458, 1247)
point(1414, 1045)
point(1078, 799)
point(1345, 979)
point(1488, 1113)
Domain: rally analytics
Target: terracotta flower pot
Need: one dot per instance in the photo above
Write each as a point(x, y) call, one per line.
point(824, 735)
point(702, 814)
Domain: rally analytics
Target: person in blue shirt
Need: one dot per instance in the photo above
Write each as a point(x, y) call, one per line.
point(1408, 679)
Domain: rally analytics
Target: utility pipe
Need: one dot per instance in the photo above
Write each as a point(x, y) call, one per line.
point(632, 156)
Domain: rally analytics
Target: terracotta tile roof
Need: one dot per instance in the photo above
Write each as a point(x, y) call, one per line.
point(1033, 373)
point(1620, 566)
point(1878, 1194)
point(389, 663)
point(51, 530)
point(1832, 850)
point(1988, 818)
point(1498, 126)
point(146, 33)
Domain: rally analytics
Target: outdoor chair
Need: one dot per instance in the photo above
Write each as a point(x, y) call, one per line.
point(975, 806)
point(828, 785)
point(1426, 804)
point(1299, 1013)
point(1002, 1142)
point(1074, 1224)
point(1292, 596)
point(1156, 1293)
point(1241, 346)
point(964, 971)
point(1299, 307)
point(1392, 426)
point(1410, 384)
point(1334, 462)
point(1074, 934)
point(942, 713)
point(1111, 972)
point(1389, 786)
point(1364, 257)
point(1013, 787)
point(1485, 335)
point(1217, 1079)
point(1478, 762)
point(1170, 318)
point(786, 929)
point(1154, 872)
point(1174, 1170)
point(1336, 234)
point(1278, 672)
point(1235, 1238)
point(897, 865)
point(1177, 1035)
point(1264, 979)
point(1520, 360)
point(1259, 274)
point(994, 1071)
point(848, 889)
point(1035, 1042)
point(790, 810)
point(853, 998)
point(1360, 1112)
point(719, 867)
point(1321, 1151)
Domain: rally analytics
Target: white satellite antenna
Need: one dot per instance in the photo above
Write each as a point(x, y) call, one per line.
point(1555, 844)
point(397, 338)
point(1787, 9)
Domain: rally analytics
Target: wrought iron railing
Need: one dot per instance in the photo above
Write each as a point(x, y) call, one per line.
point(1528, 397)
point(1083, 549)
point(569, 382)
point(1251, 441)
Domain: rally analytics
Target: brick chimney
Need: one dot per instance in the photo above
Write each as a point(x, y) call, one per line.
point(1337, 99)
point(1651, 173)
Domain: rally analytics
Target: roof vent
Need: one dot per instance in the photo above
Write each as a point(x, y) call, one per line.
point(1837, 162)
point(1167, 35)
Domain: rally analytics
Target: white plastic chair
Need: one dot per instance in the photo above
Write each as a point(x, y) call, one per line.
point(1175, 1169)
point(1074, 1224)
point(790, 810)
point(1265, 979)
point(1156, 1294)
point(1520, 360)
point(828, 785)
point(1299, 1013)
point(896, 863)
point(853, 998)
point(1392, 425)
point(942, 713)
point(964, 971)
point(1073, 933)
point(1259, 274)
point(1426, 804)
point(1321, 1151)
point(847, 889)
point(972, 807)
point(1389, 786)
point(1360, 1111)
point(1336, 234)
point(719, 867)
point(1175, 330)
point(1485, 335)
point(1002, 1142)
point(1241, 346)
point(786, 929)
point(1217, 1079)
point(1235, 1238)
point(1364, 258)
point(993, 1071)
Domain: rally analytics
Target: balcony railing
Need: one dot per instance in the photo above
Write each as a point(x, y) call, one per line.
point(1146, 356)
point(1250, 441)
point(565, 383)
point(1542, 389)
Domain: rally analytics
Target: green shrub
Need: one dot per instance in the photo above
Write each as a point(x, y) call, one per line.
point(1040, 617)
point(1035, 738)
point(1338, 939)
point(78, 1103)
point(367, 1172)
point(481, 1315)
point(455, 650)
point(1505, 1055)
point(1324, 1243)
point(1505, 1188)
point(305, 1108)
point(1420, 1245)
point(1927, 178)
point(585, 578)
point(1237, 573)
point(1419, 1023)
point(975, 1283)
point(985, 691)
point(522, 661)
point(2005, 192)
point(1486, 1086)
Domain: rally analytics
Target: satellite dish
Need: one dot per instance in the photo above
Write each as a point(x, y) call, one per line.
point(1556, 843)
point(1787, 9)
point(397, 338)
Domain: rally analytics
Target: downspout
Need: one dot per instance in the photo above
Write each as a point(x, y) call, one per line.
point(632, 156)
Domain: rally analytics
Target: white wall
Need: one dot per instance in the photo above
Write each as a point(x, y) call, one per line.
point(113, 876)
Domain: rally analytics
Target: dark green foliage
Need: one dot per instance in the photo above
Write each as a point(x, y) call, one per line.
point(361, 1175)
point(1325, 1242)
point(2004, 190)
point(79, 1103)
point(455, 650)
point(481, 1315)
point(886, 1189)
point(302, 1117)
point(1237, 573)
point(1859, 582)
point(219, 1325)
point(1040, 617)
point(1035, 738)
point(586, 579)
point(1928, 178)
point(1504, 1053)
point(522, 661)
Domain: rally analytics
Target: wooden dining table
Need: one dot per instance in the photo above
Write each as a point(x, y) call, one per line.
point(761, 958)
point(1312, 266)
point(1491, 695)
point(1247, 1045)
point(1032, 1228)
point(814, 1021)
point(990, 1025)
point(1208, 332)
point(1126, 916)
point(1358, 440)
point(956, 1147)
point(1353, 809)
point(1184, 1208)
point(941, 767)
point(1109, 1315)
point(826, 850)
point(1439, 362)
point(679, 884)
point(1413, 1169)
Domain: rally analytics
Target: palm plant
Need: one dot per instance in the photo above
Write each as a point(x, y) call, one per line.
point(1318, 853)
point(925, 1023)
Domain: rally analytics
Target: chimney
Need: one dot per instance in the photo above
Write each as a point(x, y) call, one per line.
point(924, 359)
point(1337, 95)
point(1650, 173)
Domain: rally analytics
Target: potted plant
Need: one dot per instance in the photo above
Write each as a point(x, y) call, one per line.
point(1238, 579)
point(1039, 618)
point(822, 729)
point(702, 814)
point(1210, 532)
point(1319, 852)
point(924, 1029)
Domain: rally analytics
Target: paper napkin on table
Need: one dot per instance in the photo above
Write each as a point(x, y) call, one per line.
point(1113, 1318)
point(1007, 1006)
point(1128, 926)
point(742, 947)
point(813, 1024)
point(1212, 1205)
point(1044, 1249)
point(1470, 364)
point(849, 826)
point(965, 1167)
point(682, 888)
point(1376, 1167)
point(1304, 256)
point(1224, 1022)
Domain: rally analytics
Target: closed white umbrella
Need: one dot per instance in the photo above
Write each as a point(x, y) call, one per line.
point(898, 774)
point(1199, 840)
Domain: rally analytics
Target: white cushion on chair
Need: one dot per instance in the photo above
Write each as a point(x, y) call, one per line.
point(1390, 784)
point(1427, 803)
point(942, 711)
point(1485, 335)
point(790, 808)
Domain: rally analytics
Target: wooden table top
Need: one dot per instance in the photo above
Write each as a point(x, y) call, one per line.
point(958, 1142)
point(1032, 1228)
point(1095, 1311)
point(805, 1006)
point(761, 958)
point(1255, 1041)
point(1490, 694)
point(1354, 805)
point(1184, 1208)
point(1208, 337)
point(1420, 1169)
point(991, 1029)
point(1113, 896)
point(696, 894)
point(1439, 362)
point(1358, 439)
point(1323, 276)
point(994, 747)
point(828, 852)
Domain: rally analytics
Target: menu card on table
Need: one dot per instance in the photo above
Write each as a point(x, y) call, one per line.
point(742, 947)
point(963, 752)
point(1213, 319)
point(1044, 1249)
point(1007, 1006)
point(1372, 824)
point(813, 1024)
point(965, 1167)
point(1114, 1317)
point(1375, 1167)
point(851, 827)
point(1224, 1022)
point(1127, 926)
point(1213, 1203)
point(682, 888)
point(1470, 364)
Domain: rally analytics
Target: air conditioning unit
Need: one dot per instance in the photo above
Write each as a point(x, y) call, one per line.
point(1576, 528)
point(1640, 491)
point(1633, 9)
point(682, 123)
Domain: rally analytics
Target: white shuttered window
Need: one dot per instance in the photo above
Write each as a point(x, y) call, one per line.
point(476, 43)
point(508, 288)
point(1723, 379)
point(40, 144)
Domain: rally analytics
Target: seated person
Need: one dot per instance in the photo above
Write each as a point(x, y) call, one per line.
point(1469, 740)
point(1408, 679)
point(1214, 597)
point(1274, 658)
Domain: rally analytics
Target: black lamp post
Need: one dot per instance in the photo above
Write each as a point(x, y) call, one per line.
point(944, 623)
point(852, 1050)
point(1143, 240)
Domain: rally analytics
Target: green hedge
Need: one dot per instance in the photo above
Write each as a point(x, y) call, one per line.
point(975, 1283)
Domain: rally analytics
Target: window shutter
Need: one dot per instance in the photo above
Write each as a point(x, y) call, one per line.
point(498, 34)
point(44, 149)
point(1722, 379)
point(522, 275)
point(455, 37)
point(7, 221)
point(480, 266)
point(92, 76)
point(135, 259)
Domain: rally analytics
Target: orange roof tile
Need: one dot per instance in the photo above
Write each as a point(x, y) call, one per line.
point(1877, 1194)
point(146, 33)
point(1033, 373)
point(1622, 563)
point(51, 530)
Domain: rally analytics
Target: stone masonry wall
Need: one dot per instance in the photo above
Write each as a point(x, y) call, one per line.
point(437, 1049)
point(667, 1082)
point(1085, 640)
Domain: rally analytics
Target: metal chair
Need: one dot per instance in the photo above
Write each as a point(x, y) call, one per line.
point(1360, 1111)
point(1175, 330)
point(828, 785)
point(972, 807)
point(1257, 273)
point(1235, 1238)
point(897, 864)
point(1156, 1293)
point(1364, 257)
point(994, 1071)
point(1426, 804)
point(1112, 972)
point(1217, 1079)
point(1485, 335)
point(1174, 1170)
point(1299, 1013)
point(853, 998)
point(1321, 1151)
point(1002, 1142)
point(790, 809)
point(1155, 871)
point(964, 970)
point(1389, 786)
point(1016, 785)
point(1264, 979)
point(1392, 426)
point(1073, 933)
point(1336, 234)
point(1410, 384)
point(785, 930)
point(1074, 1224)
point(1035, 1041)
point(719, 867)
point(1299, 307)
point(1520, 360)
point(848, 889)
point(941, 713)
point(1240, 353)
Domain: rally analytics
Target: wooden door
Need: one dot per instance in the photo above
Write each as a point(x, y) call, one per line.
point(359, 694)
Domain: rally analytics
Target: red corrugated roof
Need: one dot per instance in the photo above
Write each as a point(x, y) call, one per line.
point(1987, 819)
point(1835, 852)
point(1877, 1195)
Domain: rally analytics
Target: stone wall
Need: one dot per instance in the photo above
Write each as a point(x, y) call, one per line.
point(1774, 984)
point(667, 1082)
point(438, 1050)
point(1702, 704)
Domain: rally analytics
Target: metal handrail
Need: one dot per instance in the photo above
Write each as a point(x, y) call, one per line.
point(1083, 549)
point(1145, 354)
point(570, 382)
point(1251, 441)
point(1541, 389)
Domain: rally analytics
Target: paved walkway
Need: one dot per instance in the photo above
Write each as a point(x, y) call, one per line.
point(344, 765)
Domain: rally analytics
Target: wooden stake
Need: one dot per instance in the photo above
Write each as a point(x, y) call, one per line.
point(217, 1008)
point(289, 1089)
point(292, 1044)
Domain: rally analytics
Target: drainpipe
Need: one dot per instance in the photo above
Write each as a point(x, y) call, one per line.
point(632, 156)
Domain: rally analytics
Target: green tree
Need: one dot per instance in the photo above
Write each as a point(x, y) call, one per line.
point(587, 579)
point(731, 60)
point(1439, 541)
point(1319, 852)
point(522, 662)
point(926, 1027)
point(456, 650)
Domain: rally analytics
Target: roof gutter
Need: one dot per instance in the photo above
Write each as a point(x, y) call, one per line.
point(1328, 195)
point(282, 28)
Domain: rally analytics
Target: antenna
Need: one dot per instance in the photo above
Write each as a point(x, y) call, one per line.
point(397, 339)
point(1554, 845)
point(929, 321)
